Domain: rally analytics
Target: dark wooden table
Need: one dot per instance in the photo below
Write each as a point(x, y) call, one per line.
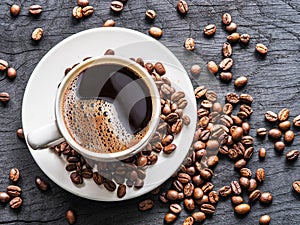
point(273, 81)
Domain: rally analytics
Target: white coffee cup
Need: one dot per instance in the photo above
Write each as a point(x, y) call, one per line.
point(57, 131)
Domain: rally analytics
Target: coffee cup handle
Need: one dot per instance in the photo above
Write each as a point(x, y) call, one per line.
point(44, 137)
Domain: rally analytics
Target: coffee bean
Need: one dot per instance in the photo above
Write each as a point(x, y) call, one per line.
point(285, 125)
point(252, 185)
point(211, 96)
point(42, 185)
point(189, 44)
point(37, 34)
point(260, 174)
point(98, 179)
point(226, 64)
point(264, 220)
point(15, 202)
point(234, 37)
point(169, 148)
point(236, 133)
point(271, 116)
point(116, 6)
point(83, 3)
point(231, 27)
point(242, 209)
point(121, 191)
point(261, 48)
point(262, 153)
point(226, 18)
point(14, 174)
point(4, 97)
point(236, 120)
point(212, 67)
point(261, 132)
point(159, 68)
point(225, 76)
point(207, 209)
point(155, 32)
point(235, 187)
point(199, 216)
point(289, 136)
point(195, 70)
point(188, 221)
point(183, 178)
point(198, 193)
point(254, 195)
point(266, 198)
point(207, 187)
point(3, 65)
point(206, 173)
point(296, 186)
point(76, 178)
point(189, 204)
point(247, 109)
point(188, 190)
point(11, 73)
point(175, 208)
point(292, 155)
point(245, 38)
point(186, 120)
point(296, 120)
point(4, 197)
point(182, 7)
point(245, 172)
point(283, 114)
point(237, 200)
point(15, 10)
point(172, 195)
point(225, 191)
point(232, 98)
point(227, 49)
point(200, 92)
point(170, 218)
point(210, 29)
point(240, 164)
point(240, 82)
point(150, 14)
point(212, 161)
point(13, 190)
point(87, 10)
point(274, 134)
point(109, 23)
point(227, 109)
point(213, 197)
point(35, 10)
point(110, 185)
point(246, 128)
point(77, 12)
point(71, 216)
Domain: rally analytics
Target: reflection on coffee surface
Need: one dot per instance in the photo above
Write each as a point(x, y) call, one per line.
point(107, 108)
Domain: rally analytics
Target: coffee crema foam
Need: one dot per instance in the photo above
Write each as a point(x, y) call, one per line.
point(94, 123)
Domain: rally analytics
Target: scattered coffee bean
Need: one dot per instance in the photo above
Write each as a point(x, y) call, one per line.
point(261, 48)
point(274, 134)
point(150, 14)
point(292, 155)
point(37, 34)
point(237, 200)
point(235, 187)
point(210, 29)
point(226, 76)
point(296, 121)
point(77, 12)
point(71, 216)
point(213, 197)
point(226, 18)
point(146, 205)
point(195, 70)
point(199, 216)
point(254, 195)
point(170, 218)
point(76, 178)
point(289, 136)
point(245, 172)
point(279, 146)
point(252, 185)
point(15, 10)
point(208, 209)
point(242, 209)
point(213, 68)
point(83, 3)
point(232, 98)
point(266, 198)
point(109, 23)
point(231, 27)
point(296, 186)
point(226, 64)
point(198, 193)
point(265, 220)
point(116, 6)
point(240, 82)
point(189, 204)
point(227, 49)
point(236, 133)
point(35, 10)
point(182, 7)
point(188, 221)
point(3, 65)
point(13, 190)
point(11, 73)
point(285, 125)
point(234, 37)
point(41, 184)
point(4, 197)
point(14, 174)
point(189, 44)
point(225, 191)
point(261, 132)
point(244, 182)
point(15, 202)
point(283, 115)
point(260, 174)
point(262, 153)
point(175, 208)
point(87, 10)
point(155, 32)
point(240, 164)
point(245, 38)
point(121, 191)
point(172, 195)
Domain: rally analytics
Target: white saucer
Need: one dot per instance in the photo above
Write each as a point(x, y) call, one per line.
point(39, 97)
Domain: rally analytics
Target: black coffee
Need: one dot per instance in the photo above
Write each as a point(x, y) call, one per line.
point(107, 108)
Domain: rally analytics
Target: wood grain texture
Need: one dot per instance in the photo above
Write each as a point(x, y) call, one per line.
point(273, 81)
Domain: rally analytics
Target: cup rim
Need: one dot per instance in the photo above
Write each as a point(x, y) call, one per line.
point(155, 97)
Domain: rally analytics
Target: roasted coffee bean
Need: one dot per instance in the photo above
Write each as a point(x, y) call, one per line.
point(296, 120)
point(188, 221)
point(261, 132)
point(87, 173)
point(211, 96)
point(13, 190)
point(87, 10)
point(41, 184)
point(212, 161)
point(77, 12)
point(225, 191)
point(206, 104)
point(226, 18)
point(14, 174)
point(189, 204)
point(3, 65)
point(213, 68)
point(175, 208)
point(206, 188)
point(248, 153)
point(292, 155)
point(296, 187)
point(4, 97)
point(236, 133)
point(232, 98)
point(243, 115)
point(262, 153)
point(266, 198)
point(155, 32)
point(186, 120)
point(172, 195)
point(233, 154)
point(234, 37)
point(109, 23)
point(170, 218)
point(83, 3)
point(285, 125)
point(274, 134)
point(210, 29)
point(4, 197)
point(146, 205)
point(227, 109)
point(240, 164)
point(237, 200)
point(271, 116)
point(182, 7)
point(240, 82)
point(283, 114)
point(149, 67)
point(15, 10)
point(213, 197)
point(235, 187)
point(254, 195)
point(246, 128)
point(76, 178)
point(110, 185)
point(289, 136)
point(246, 98)
point(150, 14)
point(245, 38)
point(188, 190)
point(206, 173)
point(227, 49)
point(195, 70)
point(163, 197)
point(231, 27)
point(71, 216)
point(236, 120)
point(98, 178)
point(207, 209)
point(199, 216)
point(169, 148)
point(226, 76)
point(261, 48)
point(252, 185)
point(183, 178)
point(15, 202)
point(217, 107)
point(172, 118)
point(203, 200)
point(116, 6)
point(247, 109)
point(37, 34)
point(176, 96)
point(121, 191)
point(198, 193)
point(226, 64)
point(265, 220)
point(245, 172)
point(35, 10)
point(159, 68)
point(242, 209)
point(11, 73)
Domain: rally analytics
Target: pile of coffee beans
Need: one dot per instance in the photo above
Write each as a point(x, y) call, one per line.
point(83, 9)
